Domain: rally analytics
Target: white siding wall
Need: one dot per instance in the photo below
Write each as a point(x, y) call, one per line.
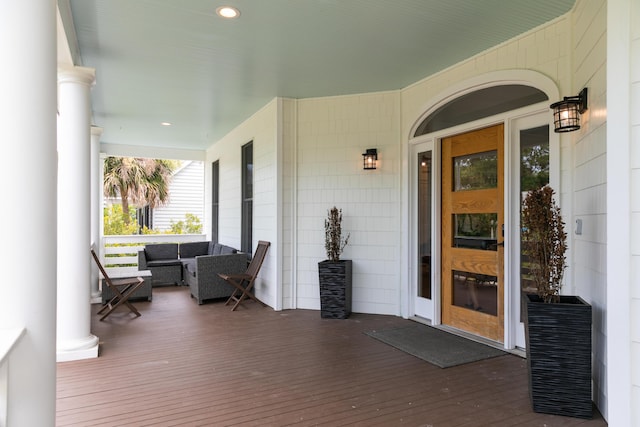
point(634, 149)
point(289, 208)
point(186, 193)
point(545, 50)
point(262, 129)
point(589, 177)
point(266, 193)
point(333, 133)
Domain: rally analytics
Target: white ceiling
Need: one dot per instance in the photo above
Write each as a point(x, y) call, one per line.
point(177, 61)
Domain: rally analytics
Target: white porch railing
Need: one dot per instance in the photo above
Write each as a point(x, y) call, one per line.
point(120, 253)
point(8, 340)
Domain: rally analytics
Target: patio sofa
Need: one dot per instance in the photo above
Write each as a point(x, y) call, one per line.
point(163, 262)
point(201, 263)
point(195, 264)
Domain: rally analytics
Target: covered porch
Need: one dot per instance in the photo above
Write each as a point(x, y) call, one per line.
point(185, 364)
point(300, 154)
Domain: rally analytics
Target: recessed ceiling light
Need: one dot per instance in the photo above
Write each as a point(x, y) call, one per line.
point(165, 124)
point(228, 12)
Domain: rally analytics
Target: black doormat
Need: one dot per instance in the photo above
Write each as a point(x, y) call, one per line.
point(435, 346)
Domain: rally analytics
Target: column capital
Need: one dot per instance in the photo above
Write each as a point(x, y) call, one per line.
point(70, 74)
point(96, 131)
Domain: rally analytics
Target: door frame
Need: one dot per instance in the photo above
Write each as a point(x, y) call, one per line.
point(434, 142)
point(456, 90)
point(422, 307)
point(511, 121)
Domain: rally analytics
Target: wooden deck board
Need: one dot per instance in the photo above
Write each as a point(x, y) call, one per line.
point(182, 364)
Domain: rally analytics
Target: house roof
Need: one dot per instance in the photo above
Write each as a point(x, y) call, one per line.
point(177, 61)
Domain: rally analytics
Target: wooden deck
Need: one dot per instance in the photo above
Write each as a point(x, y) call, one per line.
point(181, 364)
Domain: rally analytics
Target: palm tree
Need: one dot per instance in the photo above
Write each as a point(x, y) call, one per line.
point(136, 180)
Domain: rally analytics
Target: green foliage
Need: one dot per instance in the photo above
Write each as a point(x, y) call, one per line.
point(147, 230)
point(534, 167)
point(477, 171)
point(137, 181)
point(114, 223)
point(191, 225)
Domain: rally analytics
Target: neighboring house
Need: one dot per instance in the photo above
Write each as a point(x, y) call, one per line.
point(186, 195)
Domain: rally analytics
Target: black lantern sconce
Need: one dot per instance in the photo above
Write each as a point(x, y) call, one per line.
point(370, 158)
point(566, 113)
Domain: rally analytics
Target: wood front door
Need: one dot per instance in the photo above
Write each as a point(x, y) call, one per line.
point(472, 232)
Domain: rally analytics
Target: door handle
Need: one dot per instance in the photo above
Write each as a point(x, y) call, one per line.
point(500, 244)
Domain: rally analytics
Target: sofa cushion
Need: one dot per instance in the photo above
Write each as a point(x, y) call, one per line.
point(161, 251)
point(225, 250)
point(163, 262)
point(220, 249)
point(193, 249)
point(214, 248)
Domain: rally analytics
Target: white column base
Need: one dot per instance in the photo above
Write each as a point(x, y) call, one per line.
point(96, 297)
point(78, 349)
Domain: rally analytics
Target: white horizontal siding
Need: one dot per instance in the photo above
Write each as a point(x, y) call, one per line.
point(332, 134)
point(635, 210)
point(186, 195)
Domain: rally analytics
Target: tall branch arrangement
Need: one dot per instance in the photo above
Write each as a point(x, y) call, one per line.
point(544, 241)
point(333, 242)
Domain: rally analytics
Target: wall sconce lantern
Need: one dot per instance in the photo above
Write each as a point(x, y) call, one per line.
point(369, 158)
point(566, 113)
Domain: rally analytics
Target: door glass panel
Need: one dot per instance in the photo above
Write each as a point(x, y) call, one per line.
point(534, 173)
point(475, 231)
point(476, 171)
point(473, 291)
point(424, 223)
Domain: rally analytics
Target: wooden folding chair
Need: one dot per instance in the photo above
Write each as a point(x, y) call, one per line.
point(122, 289)
point(243, 282)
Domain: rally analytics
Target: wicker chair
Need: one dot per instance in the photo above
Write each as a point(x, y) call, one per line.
point(200, 273)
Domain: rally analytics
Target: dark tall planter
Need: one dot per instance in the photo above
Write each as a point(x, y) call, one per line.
point(559, 356)
point(335, 289)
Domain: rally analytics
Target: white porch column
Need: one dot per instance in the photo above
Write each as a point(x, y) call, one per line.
point(75, 340)
point(622, 348)
point(28, 214)
point(96, 211)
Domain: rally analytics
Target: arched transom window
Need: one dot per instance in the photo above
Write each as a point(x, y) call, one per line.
point(479, 104)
